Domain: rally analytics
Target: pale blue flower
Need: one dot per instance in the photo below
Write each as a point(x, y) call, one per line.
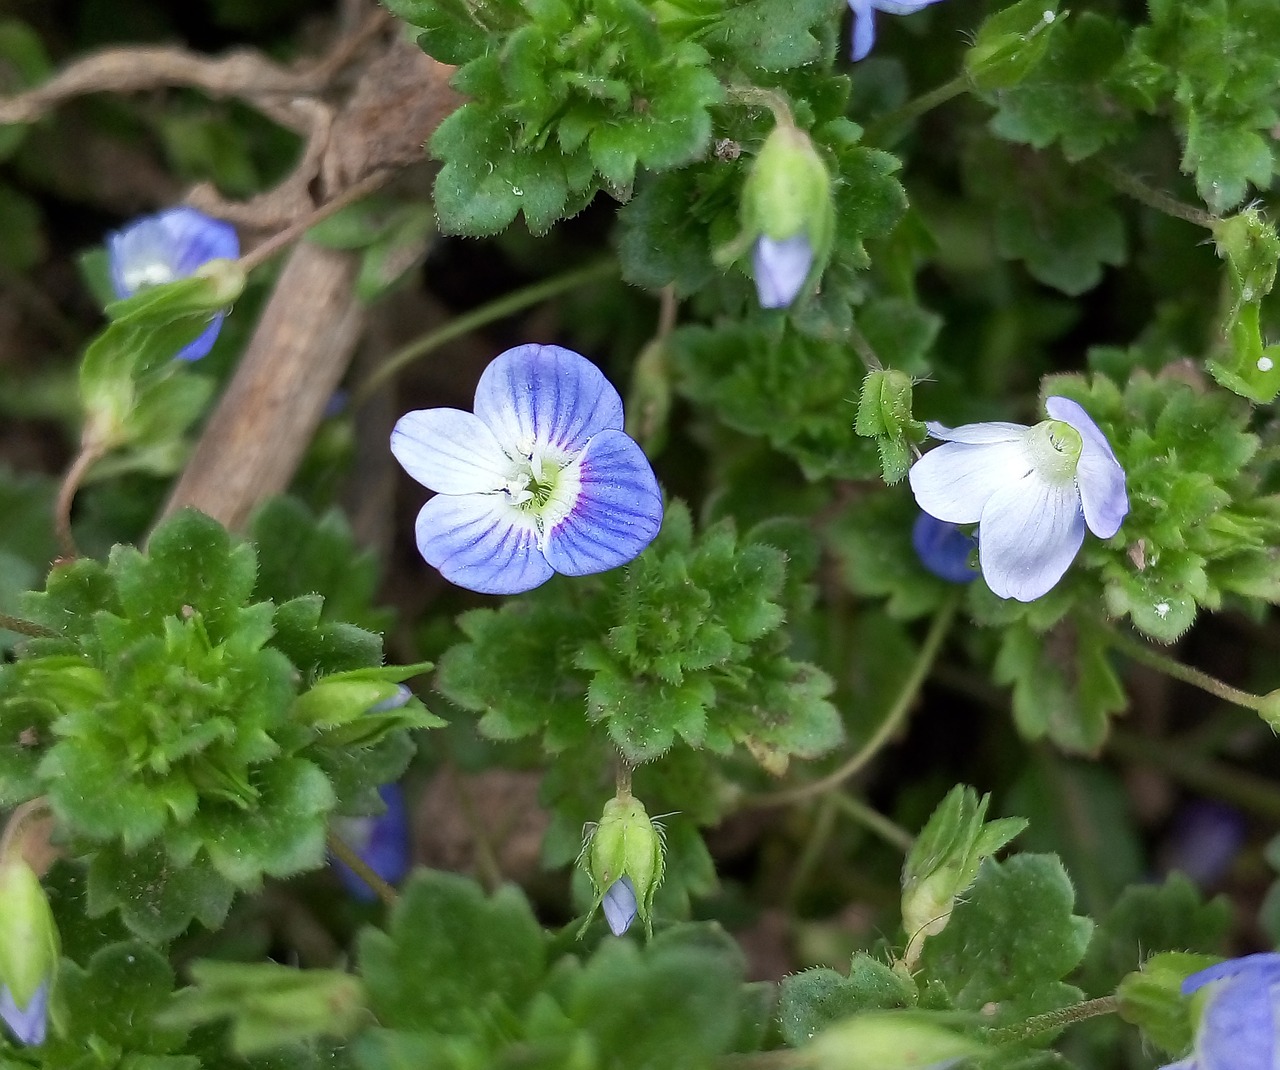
point(619, 905)
point(780, 268)
point(539, 479)
point(1031, 491)
point(171, 245)
point(28, 1024)
point(1240, 1023)
point(864, 19)
point(381, 840)
point(944, 549)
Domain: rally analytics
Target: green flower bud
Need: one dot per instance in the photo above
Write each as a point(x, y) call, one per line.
point(28, 935)
point(887, 1040)
point(1251, 247)
point(788, 191)
point(625, 844)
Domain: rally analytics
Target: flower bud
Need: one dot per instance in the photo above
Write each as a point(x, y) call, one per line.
point(623, 856)
point(888, 1040)
point(28, 951)
point(787, 214)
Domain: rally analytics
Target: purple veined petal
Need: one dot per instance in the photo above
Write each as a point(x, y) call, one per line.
point(201, 346)
point(28, 1024)
point(1238, 1029)
point(944, 549)
point(1029, 534)
point(954, 481)
point(450, 451)
point(617, 513)
point(546, 395)
point(1098, 473)
point(978, 434)
point(166, 246)
point(864, 28)
point(1263, 965)
point(479, 542)
point(780, 268)
point(619, 905)
point(381, 840)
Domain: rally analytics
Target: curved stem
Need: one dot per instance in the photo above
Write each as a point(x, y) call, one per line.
point(873, 821)
point(893, 720)
point(90, 452)
point(343, 851)
point(21, 816)
point(864, 350)
point(774, 101)
point(1162, 663)
point(1154, 198)
point(885, 129)
point(1043, 1023)
point(487, 313)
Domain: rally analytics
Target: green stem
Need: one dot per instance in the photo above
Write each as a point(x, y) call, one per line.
point(22, 814)
point(504, 306)
point(886, 129)
point(26, 627)
point(864, 350)
point(1162, 663)
point(1154, 198)
point(1215, 779)
point(893, 721)
point(774, 101)
point(361, 868)
point(1059, 1019)
point(815, 843)
point(874, 821)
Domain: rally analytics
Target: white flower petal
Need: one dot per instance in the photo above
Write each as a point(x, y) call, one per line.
point(548, 396)
point(479, 542)
point(450, 451)
point(1098, 474)
point(954, 481)
point(616, 513)
point(977, 434)
point(1030, 532)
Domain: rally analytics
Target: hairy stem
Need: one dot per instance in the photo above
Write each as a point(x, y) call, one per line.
point(1154, 198)
point(873, 821)
point(90, 452)
point(1043, 1023)
point(25, 627)
point(494, 310)
point(1152, 658)
point(893, 720)
point(888, 128)
point(345, 853)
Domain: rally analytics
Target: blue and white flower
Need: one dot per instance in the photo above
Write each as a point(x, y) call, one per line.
point(780, 268)
point(28, 1023)
point(381, 840)
point(620, 906)
point(1032, 491)
point(1237, 1029)
point(864, 20)
point(944, 549)
point(539, 479)
point(171, 245)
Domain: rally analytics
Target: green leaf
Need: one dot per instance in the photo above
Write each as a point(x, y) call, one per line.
point(1010, 942)
point(157, 900)
point(452, 961)
point(117, 997)
point(746, 33)
point(814, 999)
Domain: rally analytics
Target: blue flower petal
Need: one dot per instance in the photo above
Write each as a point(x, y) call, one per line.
point(450, 451)
point(167, 246)
point(1029, 534)
point(1238, 1028)
point(1263, 964)
point(546, 395)
point(954, 481)
point(479, 542)
point(864, 28)
point(28, 1024)
point(382, 840)
point(1098, 473)
point(620, 906)
point(617, 513)
point(780, 268)
point(944, 549)
point(201, 346)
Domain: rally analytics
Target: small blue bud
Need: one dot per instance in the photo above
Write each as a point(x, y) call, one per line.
point(30, 1023)
point(944, 549)
point(619, 905)
point(780, 268)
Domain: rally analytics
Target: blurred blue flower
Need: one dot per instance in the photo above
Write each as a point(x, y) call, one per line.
point(1205, 840)
point(780, 268)
point(864, 19)
point(28, 1024)
point(382, 840)
point(1031, 491)
point(619, 905)
point(539, 479)
point(944, 549)
point(171, 245)
point(1237, 1029)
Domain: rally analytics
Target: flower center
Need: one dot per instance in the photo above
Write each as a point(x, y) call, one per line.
point(147, 273)
point(541, 487)
point(1055, 450)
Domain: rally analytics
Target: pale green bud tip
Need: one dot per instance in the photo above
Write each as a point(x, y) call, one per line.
point(28, 934)
point(227, 277)
point(887, 1041)
point(788, 191)
point(1055, 448)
